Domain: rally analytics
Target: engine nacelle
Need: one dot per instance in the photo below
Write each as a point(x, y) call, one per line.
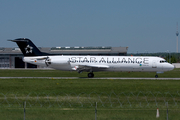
point(56, 61)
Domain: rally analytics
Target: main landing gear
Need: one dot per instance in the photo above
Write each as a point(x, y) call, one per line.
point(90, 75)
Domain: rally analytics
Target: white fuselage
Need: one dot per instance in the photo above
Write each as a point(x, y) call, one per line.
point(102, 63)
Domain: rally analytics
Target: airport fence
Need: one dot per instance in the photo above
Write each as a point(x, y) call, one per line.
point(86, 100)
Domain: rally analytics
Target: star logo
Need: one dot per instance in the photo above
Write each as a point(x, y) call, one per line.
point(28, 49)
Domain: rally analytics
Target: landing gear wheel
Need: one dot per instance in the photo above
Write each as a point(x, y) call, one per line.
point(156, 76)
point(90, 75)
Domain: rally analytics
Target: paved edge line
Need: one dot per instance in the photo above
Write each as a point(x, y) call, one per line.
point(108, 78)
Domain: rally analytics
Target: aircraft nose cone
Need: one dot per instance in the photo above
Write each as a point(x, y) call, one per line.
point(168, 67)
point(171, 67)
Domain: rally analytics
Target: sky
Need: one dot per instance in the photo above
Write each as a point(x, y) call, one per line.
point(145, 26)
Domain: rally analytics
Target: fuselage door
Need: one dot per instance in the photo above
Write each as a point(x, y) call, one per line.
point(154, 64)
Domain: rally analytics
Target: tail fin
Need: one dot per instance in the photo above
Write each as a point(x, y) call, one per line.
point(27, 47)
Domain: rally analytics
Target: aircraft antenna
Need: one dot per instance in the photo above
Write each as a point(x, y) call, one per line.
point(177, 33)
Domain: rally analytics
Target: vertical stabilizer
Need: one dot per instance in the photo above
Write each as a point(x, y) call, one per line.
point(27, 47)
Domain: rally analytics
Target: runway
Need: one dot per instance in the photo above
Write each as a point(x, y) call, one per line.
point(105, 78)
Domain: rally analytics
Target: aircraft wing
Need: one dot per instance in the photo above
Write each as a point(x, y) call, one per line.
point(89, 68)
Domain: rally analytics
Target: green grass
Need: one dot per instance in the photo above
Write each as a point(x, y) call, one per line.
point(24, 86)
point(57, 73)
point(13, 92)
point(87, 114)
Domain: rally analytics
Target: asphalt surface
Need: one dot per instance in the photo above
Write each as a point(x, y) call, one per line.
point(118, 78)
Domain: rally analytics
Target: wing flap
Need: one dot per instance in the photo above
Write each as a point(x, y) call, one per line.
point(81, 68)
point(98, 66)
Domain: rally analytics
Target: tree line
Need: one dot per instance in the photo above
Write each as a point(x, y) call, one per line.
point(169, 57)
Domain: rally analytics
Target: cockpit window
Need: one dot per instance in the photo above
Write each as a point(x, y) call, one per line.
point(163, 61)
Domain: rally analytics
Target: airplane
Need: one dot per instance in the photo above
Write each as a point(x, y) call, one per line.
point(91, 64)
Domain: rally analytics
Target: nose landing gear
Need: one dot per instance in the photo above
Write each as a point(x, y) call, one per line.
point(156, 76)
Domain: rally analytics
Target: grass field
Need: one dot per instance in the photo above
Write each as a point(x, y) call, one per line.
point(15, 91)
point(57, 73)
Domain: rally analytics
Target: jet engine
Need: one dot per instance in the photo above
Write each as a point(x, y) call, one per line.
point(56, 61)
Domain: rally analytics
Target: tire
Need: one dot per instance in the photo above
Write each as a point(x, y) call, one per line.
point(156, 76)
point(90, 75)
